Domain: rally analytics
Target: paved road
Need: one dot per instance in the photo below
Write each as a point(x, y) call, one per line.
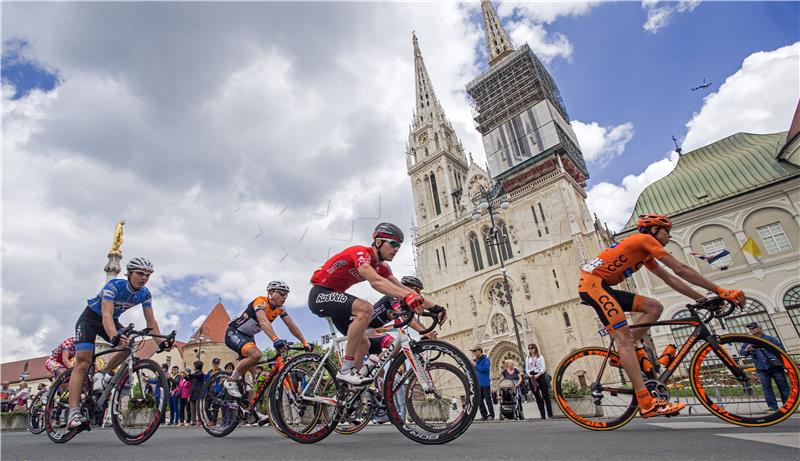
point(688, 438)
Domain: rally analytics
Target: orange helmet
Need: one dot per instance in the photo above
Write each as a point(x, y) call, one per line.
point(647, 220)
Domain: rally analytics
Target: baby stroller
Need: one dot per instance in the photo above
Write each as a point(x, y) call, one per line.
point(510, 400)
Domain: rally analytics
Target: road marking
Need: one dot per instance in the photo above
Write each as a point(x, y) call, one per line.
point(787, 439)
point(693, 425)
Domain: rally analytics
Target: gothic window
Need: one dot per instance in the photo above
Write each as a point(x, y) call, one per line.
point(475, 250)
point(567, 323)
point(497, 293)
point(438, 260)
point(544, 220)
point(505, 242)
point(436, 205)
point(499, 325)
point(791, 302)
point(444, 257)
point(491, 251)
point(555, 277)
point(536, 221)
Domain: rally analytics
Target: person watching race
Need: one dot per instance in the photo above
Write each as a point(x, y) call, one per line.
point(101, 317)
point(350, 314)
point(258, 316)
point(620, 261)
point(61, 358)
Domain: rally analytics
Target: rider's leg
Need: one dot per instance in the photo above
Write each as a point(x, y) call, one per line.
point(361, 352)
point(356, 342)
point(627, 356)
point(650, 309)
point(114, 361)
point(83, 359)
point(251, 357)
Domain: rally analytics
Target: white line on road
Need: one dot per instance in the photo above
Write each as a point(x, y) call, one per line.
point(787, 439)
point(693, 425)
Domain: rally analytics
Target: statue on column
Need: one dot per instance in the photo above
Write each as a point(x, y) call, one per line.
point(117, 238)
point(113, 267)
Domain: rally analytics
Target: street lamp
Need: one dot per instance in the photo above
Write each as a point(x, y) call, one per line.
point(483, 202)
point(200, 340)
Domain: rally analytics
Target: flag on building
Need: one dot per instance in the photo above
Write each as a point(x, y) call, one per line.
point(751, 247)
point(711, 259)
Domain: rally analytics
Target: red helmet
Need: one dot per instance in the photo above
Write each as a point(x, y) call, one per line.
point(647, 220)
point(388, 231)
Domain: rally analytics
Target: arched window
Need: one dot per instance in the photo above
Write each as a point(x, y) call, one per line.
point(435, 190)
point(499, 325)
point(681, 332)
point(753, 311)
point(505, 242)
point(475, 250)
point(491, 251)
point(791, 302)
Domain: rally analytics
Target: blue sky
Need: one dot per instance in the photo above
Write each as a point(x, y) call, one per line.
point(184, 112)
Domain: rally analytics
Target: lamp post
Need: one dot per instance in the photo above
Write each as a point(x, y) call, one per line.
point(200, 340)
point(483, 202)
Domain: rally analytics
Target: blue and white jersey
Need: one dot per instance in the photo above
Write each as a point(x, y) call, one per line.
point(122, 294)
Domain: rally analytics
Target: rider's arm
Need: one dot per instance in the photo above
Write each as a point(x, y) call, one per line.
point(686, 273)
point(293, 328)
point(383, 284)
point(152, 324)
point(108, 317)
point(65, 358)
point(266, 325)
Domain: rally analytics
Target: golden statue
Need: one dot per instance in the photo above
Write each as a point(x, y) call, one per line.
point(117, 238)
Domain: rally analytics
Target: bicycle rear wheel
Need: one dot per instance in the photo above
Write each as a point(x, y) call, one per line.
point(439, 416)
point(220, 411)
point(357, 419)
point(56, 410)
point(301, 419)
point(138, 401)
point(591, 392)
point(728, 385)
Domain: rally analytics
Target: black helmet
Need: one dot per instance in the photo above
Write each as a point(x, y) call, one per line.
point(388, 231)
point(412, 282)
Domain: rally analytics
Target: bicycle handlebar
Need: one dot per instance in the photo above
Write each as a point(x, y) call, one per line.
point(408, 314)
point(716, 307)
point(169, 340)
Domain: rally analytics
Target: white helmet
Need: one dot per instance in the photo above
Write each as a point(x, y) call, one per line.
point(140, 264)
point(278, 285)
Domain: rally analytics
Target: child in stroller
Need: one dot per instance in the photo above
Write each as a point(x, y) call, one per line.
point(510, 405)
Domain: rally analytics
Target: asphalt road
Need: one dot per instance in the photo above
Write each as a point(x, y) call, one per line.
point(688, 438)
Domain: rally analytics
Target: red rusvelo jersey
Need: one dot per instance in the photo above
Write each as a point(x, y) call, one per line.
point(340, 272)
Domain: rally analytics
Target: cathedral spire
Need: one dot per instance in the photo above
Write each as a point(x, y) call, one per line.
point(428, 107)
point(498, 43)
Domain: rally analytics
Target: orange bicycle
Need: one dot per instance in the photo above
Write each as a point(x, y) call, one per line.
point(592, 390)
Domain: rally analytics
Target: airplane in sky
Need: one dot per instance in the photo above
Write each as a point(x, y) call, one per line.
point(702, 85)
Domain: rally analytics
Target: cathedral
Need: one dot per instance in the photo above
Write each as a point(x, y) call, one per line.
point(543, 237)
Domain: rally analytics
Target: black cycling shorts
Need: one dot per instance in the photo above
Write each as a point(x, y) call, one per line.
point(325, 302)
point(238, 341)
point(88, 327)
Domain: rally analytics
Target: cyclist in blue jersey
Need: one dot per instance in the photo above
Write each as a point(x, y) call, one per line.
point(101, 317)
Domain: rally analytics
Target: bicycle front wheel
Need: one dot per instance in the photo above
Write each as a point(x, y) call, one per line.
point(138, 401)
point(727, 383)
point(302, 391)
point(432, 402)
point(220, 411)
point(593, 393)
point(36, 414)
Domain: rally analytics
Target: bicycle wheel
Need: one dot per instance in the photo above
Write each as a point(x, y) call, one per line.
point(356, 419)
point(138, 401)
point(220, 411)
point(728, 384)
point(301, 419)
point(442, 414)
point(56, 409)
point(591, 392)
point(36, 414)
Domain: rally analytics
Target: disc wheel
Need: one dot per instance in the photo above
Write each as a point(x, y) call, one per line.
point(727, 383)
point(138, 401)
point(444, 412)
point(591, 392)
point(304, 420)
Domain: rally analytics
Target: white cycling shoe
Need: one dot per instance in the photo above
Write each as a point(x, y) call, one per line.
point(232, 388)
point(351, 377)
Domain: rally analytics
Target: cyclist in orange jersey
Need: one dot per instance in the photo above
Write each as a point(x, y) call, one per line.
point(620, 261)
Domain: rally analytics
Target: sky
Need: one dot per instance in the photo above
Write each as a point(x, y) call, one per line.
point(245, 142)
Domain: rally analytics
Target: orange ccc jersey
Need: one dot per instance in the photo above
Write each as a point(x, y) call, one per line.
point(621, 260)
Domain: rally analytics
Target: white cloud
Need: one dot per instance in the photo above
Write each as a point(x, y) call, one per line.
point(600, 144)
point(759, 98)
point(196, 323)
point(613, 203)
point(659, 14)
point(528, 25)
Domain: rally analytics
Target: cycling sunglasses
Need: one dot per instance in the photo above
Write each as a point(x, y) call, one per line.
point(393, 243)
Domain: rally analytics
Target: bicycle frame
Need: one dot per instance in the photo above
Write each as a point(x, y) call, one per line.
point(402, 340)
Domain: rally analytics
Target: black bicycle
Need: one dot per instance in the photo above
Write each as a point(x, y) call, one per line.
point(221, 412)
point(137, 395)
point(36, 412)
point(593, 391)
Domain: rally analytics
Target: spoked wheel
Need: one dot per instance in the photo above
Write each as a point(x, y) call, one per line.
point(220, 411)
point(592, 392)
point(138, 401)
point(357, 418)
point(302, 419)
point(728, 384)
point(56, 409)
point(447, 408)
point(36, 421)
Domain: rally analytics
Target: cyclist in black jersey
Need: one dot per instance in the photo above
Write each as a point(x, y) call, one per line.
point(258, 316)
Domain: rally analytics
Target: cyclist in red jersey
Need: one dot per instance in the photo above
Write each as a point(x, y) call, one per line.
point(61, 358)
point(350, 314)
point(620, 261)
